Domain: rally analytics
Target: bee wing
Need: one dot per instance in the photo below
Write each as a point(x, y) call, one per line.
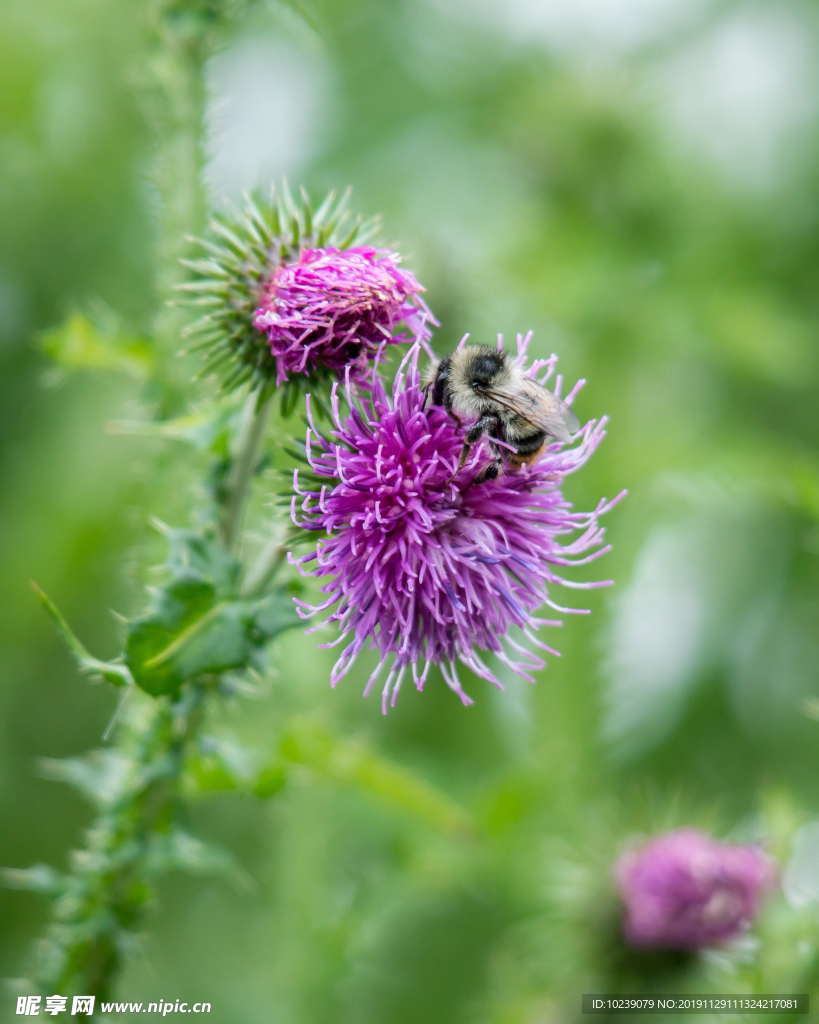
point(539, 407)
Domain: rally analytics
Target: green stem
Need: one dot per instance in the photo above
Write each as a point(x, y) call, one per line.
point(104, 896)
point(270, 560)
point(177, 109)
point(105, 892)
point(244, 465)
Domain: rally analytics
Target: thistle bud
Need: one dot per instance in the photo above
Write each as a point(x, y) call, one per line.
point(685, 890)
point(292, 295)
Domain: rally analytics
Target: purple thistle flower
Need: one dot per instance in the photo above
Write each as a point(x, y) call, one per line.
point(334, 307)
point(684, 890)
point(421, 562)
point(288, 291)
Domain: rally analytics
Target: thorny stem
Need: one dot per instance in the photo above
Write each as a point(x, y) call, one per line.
point(103, 898)
point(109, 882)
point(107, 887)
point(177, 108)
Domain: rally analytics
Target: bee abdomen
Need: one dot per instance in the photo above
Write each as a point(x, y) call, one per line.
point(527, 448)
point(531, 443)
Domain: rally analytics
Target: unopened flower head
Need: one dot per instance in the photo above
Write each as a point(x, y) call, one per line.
point(420, 559)
point(332, 308)
point(289, 294)
point(685, 890)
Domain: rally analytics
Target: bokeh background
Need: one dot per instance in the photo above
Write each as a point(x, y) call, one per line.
point(638, 182)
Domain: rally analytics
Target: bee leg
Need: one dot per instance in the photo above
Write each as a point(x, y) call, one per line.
point(475, 433)
point(492, 471)
point(496, 433)
point(485, 425)
point(491, 425)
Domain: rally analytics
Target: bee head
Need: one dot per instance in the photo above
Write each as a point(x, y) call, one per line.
point(484, 368)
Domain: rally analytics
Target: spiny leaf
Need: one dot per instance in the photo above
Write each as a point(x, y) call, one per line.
point(189, 551)
point(98, 775)
point(188, 633)
point(274, 614)
point(86, 662)
point(37, 878)
point(178, 849)
point(199, 624)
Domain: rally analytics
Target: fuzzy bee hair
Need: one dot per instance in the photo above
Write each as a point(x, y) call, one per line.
point(481, 383)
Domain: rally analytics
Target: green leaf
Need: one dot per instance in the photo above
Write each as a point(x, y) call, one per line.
point(273, 614)
point(37, 878)
point(202, 555)
point(179, 850)
point(352, 762)
point(218, 765)
point(270, 780)
point(98, 775)
point(189, 633)
point(79, 343)
point(198, 625)
point(208, 431)
point(111, 671)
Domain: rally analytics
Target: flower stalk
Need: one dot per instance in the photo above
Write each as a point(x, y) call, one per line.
point(106, 891)
point(244, 464)
point(183, 38)
point(271, 558)
point(101, 900)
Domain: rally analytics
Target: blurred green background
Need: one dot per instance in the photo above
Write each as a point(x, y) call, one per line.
point(638, 182)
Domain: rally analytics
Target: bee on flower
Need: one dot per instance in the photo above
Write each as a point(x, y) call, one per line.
point(423, 555)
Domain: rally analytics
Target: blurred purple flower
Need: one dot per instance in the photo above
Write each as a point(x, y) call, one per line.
point(423, 563)
point(684, 890)
point(334, 307)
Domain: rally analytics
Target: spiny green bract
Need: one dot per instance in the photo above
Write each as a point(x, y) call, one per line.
point(235, 257)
